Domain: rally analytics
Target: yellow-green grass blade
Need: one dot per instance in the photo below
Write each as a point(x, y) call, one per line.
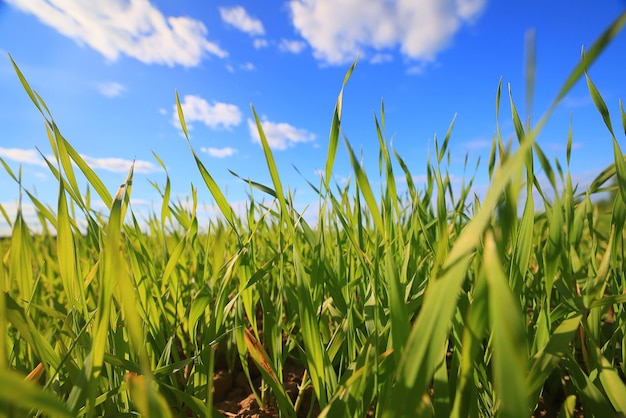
point(366, 190)
point(145, 396)
point(335, 129)
point(28, 330)
point(195, 404)
point(599, 103)
point(63, 158)
point(21, 256)
point(165, 206)
point(612, 383)
point(429, 331)
point(271, 165)
point(509, 336)
point(544, 362)
point(390, 200)
point(88, 172)
point(593, 400)
point(472, 340)
point(399, 316)
point(31, 93)
point(66, 251)
point(220, 199)
point(620, 164)
point(590, 56)
point(522, 246)
point(28, 396)
point(262, 360)
point(323, 376)
point(354, 393)
point(109, 271)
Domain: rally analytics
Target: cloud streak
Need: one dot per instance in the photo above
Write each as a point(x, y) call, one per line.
point(280, 136)
point(219, 152)
point(214, 115)
point(116, 165)
point(238, 18)
point(111, 89)
point(135, 28)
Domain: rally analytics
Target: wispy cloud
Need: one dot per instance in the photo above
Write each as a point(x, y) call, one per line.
point(111, 89)
point(380, 58)
point(219, 152)
point(260, 43)
point(135, 28)
point(292, 46)
point(214, 115)
point(248, 66)
point(280, 136)
point(339, 30)
point(31, 156)
point(240, 19)
point(22, 156)
point(119, 165)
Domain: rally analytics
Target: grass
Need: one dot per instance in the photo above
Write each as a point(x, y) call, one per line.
point(428, 302)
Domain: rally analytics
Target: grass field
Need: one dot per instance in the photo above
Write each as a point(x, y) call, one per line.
point(429, 302)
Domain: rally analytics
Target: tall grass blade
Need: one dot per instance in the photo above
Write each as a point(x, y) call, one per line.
point(27, 396)
point(335, 129)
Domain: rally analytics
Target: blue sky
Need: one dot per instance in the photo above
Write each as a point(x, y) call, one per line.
point(108, 71)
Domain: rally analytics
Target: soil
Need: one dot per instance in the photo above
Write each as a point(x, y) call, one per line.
point(233, 397)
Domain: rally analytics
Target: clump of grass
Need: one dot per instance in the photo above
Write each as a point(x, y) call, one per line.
point(407, 304)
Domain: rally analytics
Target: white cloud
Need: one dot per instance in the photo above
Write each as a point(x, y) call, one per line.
point(240, 19)
point(248, 66)
point(280, 136)
point(380, 58)
point(31, 156)
point(293, 46)
point(25, 156)
point(219, 152)
point(339, 30)
point(259, 43)
point(119, 165)
point(111, 88)
point(135, 28)
point(215, 115)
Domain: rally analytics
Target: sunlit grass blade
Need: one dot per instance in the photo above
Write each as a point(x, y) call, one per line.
point(335, 129)
point(147, 400)
point(509, 336)
point(220, 199)
point(18, 392)
point(271, 165)
point(590, 56)
point(31, 93)
point(365, 188)
point(544, 362)
point(260, 357)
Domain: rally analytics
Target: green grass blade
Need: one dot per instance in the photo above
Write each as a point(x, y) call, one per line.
point(20, 393)
point(335, 128)
point(365, 188)
point(271, 165)
point(589, 58)
point(509, 336)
